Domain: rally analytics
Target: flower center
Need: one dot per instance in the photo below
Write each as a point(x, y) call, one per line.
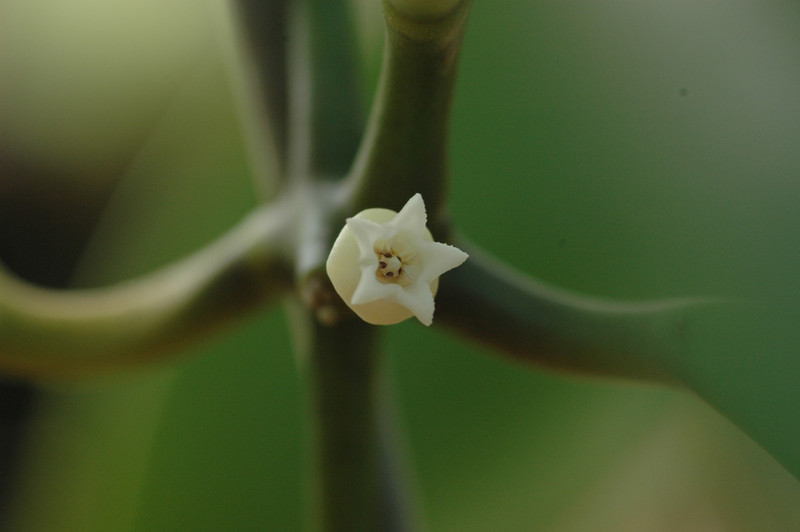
point(391, 266)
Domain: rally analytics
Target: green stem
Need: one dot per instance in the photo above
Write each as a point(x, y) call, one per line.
point(404, 150)
point(342, 377)
point(537, 323)
point(53, 332)
point(739, 357)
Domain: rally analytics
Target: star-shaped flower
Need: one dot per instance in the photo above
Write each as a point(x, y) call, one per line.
point(386, 266)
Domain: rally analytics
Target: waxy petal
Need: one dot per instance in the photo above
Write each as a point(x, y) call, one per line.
point(438, 258)
point(412, 218)
point(418, 298)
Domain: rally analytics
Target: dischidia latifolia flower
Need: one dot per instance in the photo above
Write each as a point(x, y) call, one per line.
point(386, 266)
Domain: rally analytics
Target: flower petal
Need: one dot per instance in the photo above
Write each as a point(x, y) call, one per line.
point(418, 299)
point(366, 233)
point(412, 218)
point(437, 258)
point(369, 289)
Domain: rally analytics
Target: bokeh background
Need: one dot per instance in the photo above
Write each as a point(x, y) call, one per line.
point(625, 149)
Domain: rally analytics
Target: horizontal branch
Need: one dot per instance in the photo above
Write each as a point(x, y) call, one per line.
point(742, 358)
point(46, 332)
point(534, 322)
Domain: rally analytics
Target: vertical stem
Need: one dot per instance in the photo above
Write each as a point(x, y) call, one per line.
point(404, 149)
point(342, 376)
point(325, 112)
point(325, 126)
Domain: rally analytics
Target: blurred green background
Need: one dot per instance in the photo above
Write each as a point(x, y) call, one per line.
point(624, 149)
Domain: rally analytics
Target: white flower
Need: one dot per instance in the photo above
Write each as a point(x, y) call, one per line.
point(386, 266)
